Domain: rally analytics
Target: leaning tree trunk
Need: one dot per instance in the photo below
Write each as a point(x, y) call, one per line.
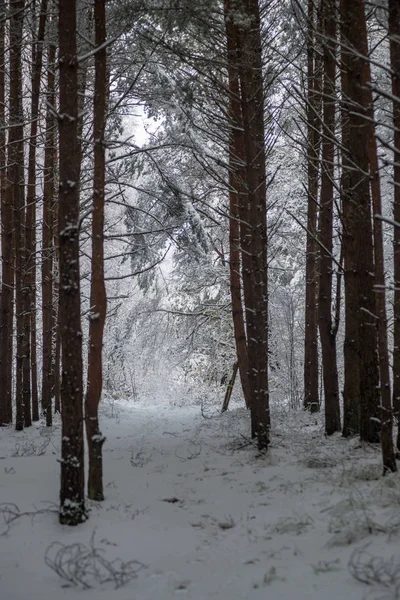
point(356, 171)
point(98, 299)
point(311, 397)
point(326, 325)
point(394, 37)
point(72, 493)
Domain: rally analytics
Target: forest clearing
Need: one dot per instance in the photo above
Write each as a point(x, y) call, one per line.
point(203, 514)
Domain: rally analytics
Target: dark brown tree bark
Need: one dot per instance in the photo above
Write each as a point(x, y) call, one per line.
point(229, 388)
point(37, 54)
point(252, 104)
point(48, 316)
point(237, 194)
point(16, 171)
point(394, 37)
point(357, 194)
point(7, 273)
point(311, 396)
point(56, 295)
point(57, 360)
point(351, 391)
point(327, 327)
point(386, 413)
point(98, 299)
point(72, 494)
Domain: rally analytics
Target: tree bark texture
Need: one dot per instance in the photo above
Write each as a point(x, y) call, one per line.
point(72, 494)
point(7, 273)
point(237, 194)
point(386, 413)
point(252, 101)
point(229, 388)
point(394, 38)
point(311, 396)
point(16, 174)
point(326, 325)
point(37, 60)
point(48, 316)
point(357, 194)
point(98, 299)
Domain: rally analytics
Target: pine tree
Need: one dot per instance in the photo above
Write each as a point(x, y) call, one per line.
point(98, 299)
point(72, 494)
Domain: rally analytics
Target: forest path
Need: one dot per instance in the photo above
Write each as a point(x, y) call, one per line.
point(193, 502)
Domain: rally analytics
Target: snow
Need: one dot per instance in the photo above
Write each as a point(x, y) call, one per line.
point(193, 502)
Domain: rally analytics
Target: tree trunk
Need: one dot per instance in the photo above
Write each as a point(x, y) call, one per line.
point(16, 164)
point(98, 299)
point(229, 389)
point(72, 494)
point(326, 325)
point(394, 37)
point(252, 101)
point(357, 194)
point(37, 54)
point(386, 414)
point(236, 195)
point(48, 317)
point(311, 398)
point(7, 273)
point(57, 360)
point(351, 391)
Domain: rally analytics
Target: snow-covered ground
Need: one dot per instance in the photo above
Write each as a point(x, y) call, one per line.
point(203, 514)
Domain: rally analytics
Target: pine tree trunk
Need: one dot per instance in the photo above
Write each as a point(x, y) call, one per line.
point(229, 389)
point(252, 100)
point(98, 299)
point(16, 170)
point(311, 397)
point(236, 191)
point(357, 194)
point(394, 37)
point(7, 273)
point(48, 317)
point(72, 493)
point(37, 54)
point(57, 360)
point(351, 391)
point(56, 295)
point(386, 413)
point(326, 325)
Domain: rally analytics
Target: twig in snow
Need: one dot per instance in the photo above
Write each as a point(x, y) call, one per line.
point(376, 571)
point(86, 567)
